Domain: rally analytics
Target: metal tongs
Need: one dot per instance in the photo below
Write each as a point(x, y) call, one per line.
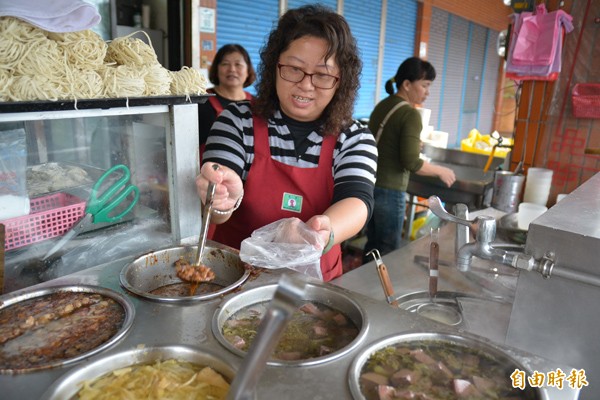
point(288, 295)
point(384, 277)
point(210, 194)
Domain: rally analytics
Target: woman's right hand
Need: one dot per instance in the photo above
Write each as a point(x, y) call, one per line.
point(228, 189)
point(446, 175)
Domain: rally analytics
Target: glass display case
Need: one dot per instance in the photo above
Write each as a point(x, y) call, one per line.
point(69, 146)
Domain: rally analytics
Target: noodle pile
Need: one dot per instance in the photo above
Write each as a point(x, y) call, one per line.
point(40, 65)
point(170, 379)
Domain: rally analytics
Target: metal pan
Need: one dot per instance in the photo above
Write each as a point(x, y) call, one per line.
point(155, 271)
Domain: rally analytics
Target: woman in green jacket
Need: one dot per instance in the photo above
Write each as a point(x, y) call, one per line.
point(399, 146)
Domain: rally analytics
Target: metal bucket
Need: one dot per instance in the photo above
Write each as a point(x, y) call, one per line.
point(507, 191)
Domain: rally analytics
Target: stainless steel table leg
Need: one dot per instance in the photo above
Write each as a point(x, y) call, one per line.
point(412, 199)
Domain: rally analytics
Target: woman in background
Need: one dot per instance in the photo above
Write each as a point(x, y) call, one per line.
point(399, 146)
point(230, 72)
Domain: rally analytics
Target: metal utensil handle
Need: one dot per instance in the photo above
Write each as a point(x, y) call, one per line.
point(434, 253)
point(287, 297)
point(386, 283)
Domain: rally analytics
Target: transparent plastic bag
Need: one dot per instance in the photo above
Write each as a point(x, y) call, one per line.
point(286, 243)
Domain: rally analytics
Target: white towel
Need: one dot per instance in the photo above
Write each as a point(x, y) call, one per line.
point(53, 15)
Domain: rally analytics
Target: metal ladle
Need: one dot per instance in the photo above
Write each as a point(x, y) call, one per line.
point(288, 295)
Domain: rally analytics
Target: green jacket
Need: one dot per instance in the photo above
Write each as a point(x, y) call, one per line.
point(400, 143)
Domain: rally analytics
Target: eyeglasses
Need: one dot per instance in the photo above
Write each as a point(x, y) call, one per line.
point(296, 75)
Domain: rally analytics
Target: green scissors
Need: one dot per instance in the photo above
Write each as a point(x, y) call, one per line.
point(100, 206)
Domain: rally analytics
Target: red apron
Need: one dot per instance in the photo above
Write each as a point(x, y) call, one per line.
point(218, 107)
point(269, 182)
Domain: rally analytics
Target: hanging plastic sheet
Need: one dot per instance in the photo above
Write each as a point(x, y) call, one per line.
point(536, 44)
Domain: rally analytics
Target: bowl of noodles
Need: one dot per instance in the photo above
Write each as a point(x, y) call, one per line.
point(170, 371)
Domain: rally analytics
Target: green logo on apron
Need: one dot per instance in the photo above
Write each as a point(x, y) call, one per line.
point(291, 202)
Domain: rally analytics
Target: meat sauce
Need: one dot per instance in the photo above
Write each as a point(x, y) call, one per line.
point(49, 329)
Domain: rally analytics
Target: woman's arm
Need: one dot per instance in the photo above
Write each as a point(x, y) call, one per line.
point(446, 175)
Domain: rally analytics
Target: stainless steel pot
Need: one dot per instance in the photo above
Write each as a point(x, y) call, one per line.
point(422, 339)
point(69, 384)
point(123, 301)
point(156, 270)
point(314, 292)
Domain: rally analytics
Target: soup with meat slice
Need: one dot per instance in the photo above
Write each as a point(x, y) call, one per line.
point(438, 370)
point(314, 330)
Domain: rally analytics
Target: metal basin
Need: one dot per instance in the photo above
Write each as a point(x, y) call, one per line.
point(494, 359)
point(69, 384)
point(153, 275)
point(256, 298)
point(36, 340)
point(472, 187)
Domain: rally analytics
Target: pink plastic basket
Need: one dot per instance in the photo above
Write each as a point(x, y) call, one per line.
point(50, 216)
point(585, 99)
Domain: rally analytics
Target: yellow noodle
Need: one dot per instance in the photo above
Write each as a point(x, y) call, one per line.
point(188, 81)
point(131, 51)
point(83, 49)
point(36, 87)
point(123, 81)
point(85, 84)
point(16, 39)
point(5, 83)
point(158, 81)
point(42, 58)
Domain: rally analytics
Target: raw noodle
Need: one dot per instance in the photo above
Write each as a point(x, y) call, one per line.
point(158, 81)
point(131, 51)
point(16, 39)
point(83, 49)
point(26, 88)
point(123, 81)
point(188, 81)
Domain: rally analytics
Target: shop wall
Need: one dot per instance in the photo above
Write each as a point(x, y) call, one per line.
point(547, 133)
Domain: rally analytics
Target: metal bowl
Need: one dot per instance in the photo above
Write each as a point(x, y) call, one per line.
point(69, 384)
point(421, 339)
point(315, 292)
point(123, 301)
point(444, 308)
point(156, 271)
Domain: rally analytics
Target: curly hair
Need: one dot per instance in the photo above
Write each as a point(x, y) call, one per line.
point(323, 23)
point(213, 72)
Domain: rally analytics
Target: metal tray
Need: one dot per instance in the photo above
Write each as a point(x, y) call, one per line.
point(69, 384)
point(128, 308)
point(323, 294)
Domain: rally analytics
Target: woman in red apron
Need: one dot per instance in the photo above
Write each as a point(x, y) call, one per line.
point(295, 150)
point(230, 72)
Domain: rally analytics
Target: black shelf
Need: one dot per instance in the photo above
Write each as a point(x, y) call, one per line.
point(87, 104)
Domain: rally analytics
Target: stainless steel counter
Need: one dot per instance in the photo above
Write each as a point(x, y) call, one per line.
point(161, 323)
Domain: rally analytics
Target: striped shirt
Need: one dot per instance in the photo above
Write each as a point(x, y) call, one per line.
point(231, 143)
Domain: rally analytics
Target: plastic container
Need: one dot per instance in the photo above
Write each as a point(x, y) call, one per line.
point(483, 144)
point(14, 200)
point(537, 185)
point(529, 212)
point(50, 216)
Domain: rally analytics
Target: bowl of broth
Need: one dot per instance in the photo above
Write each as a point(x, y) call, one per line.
point(327, 325)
